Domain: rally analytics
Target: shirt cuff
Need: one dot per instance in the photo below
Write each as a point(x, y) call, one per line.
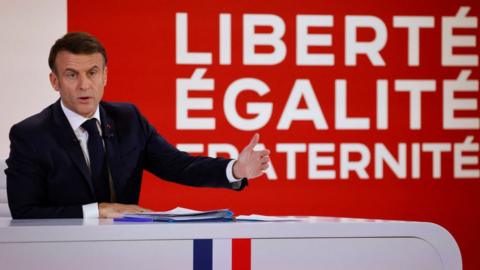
point(90, 210)
point(230, 176)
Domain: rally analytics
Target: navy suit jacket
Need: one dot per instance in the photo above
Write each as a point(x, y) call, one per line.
point(47, 175)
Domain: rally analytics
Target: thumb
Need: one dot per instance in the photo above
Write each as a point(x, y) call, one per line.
point(253, 142)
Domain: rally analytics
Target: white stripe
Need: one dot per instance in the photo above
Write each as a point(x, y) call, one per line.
point(222, 254)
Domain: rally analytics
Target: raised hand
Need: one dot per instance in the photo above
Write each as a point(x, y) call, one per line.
point(250, 163)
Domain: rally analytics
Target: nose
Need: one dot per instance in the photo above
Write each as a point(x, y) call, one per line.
point(84, 82)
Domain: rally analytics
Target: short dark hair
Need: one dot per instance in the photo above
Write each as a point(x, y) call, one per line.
point(76, 43)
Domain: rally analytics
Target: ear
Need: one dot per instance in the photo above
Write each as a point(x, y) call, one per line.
point(54, 81)
point(105, 72)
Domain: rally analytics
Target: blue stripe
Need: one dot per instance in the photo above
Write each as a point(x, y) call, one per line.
point(202, 254)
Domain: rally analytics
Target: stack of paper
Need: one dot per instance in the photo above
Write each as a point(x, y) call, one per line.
point(178, 214)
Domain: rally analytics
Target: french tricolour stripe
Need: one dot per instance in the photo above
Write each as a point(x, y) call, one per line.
point(222, 254)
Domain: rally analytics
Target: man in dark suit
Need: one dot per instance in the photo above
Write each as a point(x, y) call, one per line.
point(82, 157)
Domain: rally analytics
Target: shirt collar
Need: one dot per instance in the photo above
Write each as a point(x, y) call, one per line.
point(75, 119)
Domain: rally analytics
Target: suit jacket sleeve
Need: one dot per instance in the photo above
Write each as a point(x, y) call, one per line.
point(167, 162)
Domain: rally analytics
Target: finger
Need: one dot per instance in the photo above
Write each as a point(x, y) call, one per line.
point(264, 166)
point(141, 210)
point(264, 152)
point(265, 159)
point(132, 210)
point(253, 142)
point(258, 173)
point(113, 214)
point(129, 208)
point(137, 209)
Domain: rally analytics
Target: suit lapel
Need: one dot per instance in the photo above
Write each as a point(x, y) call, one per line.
point(69, 141)
point(109, 131)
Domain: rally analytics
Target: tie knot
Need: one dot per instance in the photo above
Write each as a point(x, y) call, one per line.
point(91, 126)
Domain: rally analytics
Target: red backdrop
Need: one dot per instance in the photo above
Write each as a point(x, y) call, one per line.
point(140, 38)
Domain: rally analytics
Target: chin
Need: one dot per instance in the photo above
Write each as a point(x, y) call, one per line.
point(86, 113)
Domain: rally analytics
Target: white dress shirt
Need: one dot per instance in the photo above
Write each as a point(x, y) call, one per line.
point(76, 120)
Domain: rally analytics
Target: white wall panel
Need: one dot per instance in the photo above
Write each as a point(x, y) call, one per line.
point(28, 28)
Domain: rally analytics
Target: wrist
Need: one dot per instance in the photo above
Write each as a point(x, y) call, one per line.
point(237, 170)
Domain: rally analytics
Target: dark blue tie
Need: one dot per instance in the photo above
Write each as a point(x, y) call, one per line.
point(98, 164)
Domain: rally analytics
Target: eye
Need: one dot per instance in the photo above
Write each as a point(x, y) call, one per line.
point(71, 75)
point(93, 72)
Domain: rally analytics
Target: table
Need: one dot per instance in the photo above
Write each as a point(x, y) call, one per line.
point(313, 243)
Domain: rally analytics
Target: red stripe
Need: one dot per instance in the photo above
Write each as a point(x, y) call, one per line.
point(241, 254)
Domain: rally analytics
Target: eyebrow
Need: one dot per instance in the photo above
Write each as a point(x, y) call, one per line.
point(76, 71)
point(70, 70)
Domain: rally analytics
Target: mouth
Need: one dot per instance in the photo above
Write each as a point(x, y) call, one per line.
point(85, 99)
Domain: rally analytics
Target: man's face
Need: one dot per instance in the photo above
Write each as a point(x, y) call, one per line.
point(80, 79)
